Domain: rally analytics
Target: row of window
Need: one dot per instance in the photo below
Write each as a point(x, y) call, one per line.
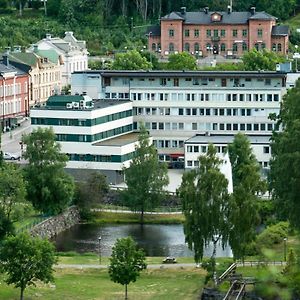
point(210, 126)
point(93, 138)
point(81, 122)
point(220, 149)
point(222, 47)
point(216, 97)
point(195, 163)
point(174, 111)
point(100, 158)
point(46, 77)
point(13, 89)
point(10, 107)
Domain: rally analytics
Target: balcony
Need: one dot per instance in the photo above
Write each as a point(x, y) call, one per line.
point(215, 39)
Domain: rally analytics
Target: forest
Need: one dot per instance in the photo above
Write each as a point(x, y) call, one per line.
point(108, 25)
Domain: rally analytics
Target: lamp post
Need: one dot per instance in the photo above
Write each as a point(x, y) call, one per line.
point(284, 248)
point(99, 241)
point(296, 57)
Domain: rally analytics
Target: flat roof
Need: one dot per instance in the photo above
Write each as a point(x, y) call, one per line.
point(226, 139)
point(120, 141)
point(98, 104)
point(181, 73)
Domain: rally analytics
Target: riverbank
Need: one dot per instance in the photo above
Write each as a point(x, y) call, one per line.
point(105, 217)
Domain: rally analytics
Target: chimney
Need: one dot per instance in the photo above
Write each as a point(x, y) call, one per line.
point(17, 48)
point(5, 56)
point(35, 48)
point(69, 33)
point(229, 9)
point(48, 36)
point(183, 10)
point(206, 9)
point(252, 10)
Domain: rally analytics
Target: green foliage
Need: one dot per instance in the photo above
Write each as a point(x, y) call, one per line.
point(247, 184)
point(285, 162)
point(261, 60)
point(145, 178)
point(126, 262)
point(272, 235)
point(12, 192)
point(131, 60)
point(25, 259)
point(6, 226)
point(90, 192)
point(181, 61)
point(205, 204)
point(226, 67)
point(50, 189)
point(266, 211)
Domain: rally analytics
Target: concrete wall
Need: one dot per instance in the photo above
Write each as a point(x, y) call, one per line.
point(55, 225)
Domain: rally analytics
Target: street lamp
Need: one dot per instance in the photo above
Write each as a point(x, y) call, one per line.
point(284, 248)
point(99, 241)
point(296, 57)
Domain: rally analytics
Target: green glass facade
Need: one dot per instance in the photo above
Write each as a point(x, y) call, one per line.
point(100, 158)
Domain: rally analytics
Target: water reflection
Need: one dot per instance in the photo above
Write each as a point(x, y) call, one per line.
point(156, 240)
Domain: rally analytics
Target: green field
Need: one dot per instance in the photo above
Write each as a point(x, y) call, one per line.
point(73, 284)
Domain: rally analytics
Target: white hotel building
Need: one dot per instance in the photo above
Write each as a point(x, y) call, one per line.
point(178, 105)
point(96, 135)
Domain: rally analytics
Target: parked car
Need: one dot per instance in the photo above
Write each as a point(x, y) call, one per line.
point(11, 156)
point(170, 260)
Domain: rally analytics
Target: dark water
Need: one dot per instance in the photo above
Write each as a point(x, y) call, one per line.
point(156, 240)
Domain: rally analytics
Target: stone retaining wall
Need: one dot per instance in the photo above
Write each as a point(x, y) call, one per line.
point(54, 225)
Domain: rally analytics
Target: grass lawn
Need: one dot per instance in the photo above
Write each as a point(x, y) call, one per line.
point(72, 284)
point(110, 217)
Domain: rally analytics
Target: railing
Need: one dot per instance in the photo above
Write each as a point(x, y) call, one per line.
point(260, 263)
point(229, 270)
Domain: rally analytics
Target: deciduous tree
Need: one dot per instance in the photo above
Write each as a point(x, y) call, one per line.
point(131, 60)
point(247, 184)
point(181, 61)
point(285, 162)
point(50, 189)
point(126, 262)
point(25, 259)
point(146, 177)
point(205, 204)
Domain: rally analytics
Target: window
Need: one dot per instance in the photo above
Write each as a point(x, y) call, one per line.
point(186, 32)
point(208, 33)
point(234, 32)
point(263, 46)
point(187, 47)
point(244, 47)
point(208, 47)
point(223, 47)
point(171, 32)
point(279, 48)
point(153, 47)
point(245, 32)
point(274, 47)
point(235, 47)
point(266, 149)
point(216, 32)
point(194, 126)
point(256, 46)
point(163, 81)
point(196, 33)
point(259, 33)
point(176, 81)
point(171, 47)
point(196, 47)
point(223, 32)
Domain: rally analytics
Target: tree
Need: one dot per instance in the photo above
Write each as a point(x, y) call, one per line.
point(126, 262)
point(50, 189)
point(247, 184)
point(25, 259)
point(131, 60)
point(205, 206)
point(181, 61)
point(6, 226)
point(261, 60)
point(12, 192)
point(145, 178)
point(285, 161)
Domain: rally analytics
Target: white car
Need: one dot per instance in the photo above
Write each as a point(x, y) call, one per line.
point(11, 156)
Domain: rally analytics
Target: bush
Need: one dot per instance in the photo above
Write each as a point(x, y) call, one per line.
point(272, 235)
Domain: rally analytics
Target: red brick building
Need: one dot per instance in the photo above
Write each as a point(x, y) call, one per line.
point(14, 89)
point(229, 34)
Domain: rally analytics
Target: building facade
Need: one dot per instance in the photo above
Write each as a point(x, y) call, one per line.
point(96, 135)
point(175, 106)
point(73, 52)
point(44, 70)
point(229, 33)
point(14, 94)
